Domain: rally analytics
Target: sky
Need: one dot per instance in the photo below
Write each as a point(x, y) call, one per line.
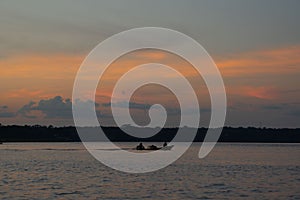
point(255, 45)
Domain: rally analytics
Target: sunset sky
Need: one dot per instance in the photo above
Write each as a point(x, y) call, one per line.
point(255, 44)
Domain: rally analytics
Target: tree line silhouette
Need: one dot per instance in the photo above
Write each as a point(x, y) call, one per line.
point(38, 133)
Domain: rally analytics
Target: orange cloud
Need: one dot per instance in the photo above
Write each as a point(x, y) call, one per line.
point(32, 77)
point(136, 58)
point(53, 66)
point(133, 59)
point(273, 61)
point(31, 94)
point(261, 92)
point(43, 76)
point(152, 54)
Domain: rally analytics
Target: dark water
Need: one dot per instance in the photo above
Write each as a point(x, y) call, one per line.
point(231, 171)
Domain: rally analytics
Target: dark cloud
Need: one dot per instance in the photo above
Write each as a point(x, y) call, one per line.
point(140, 106)
point(272, 107)
point(295, 113)
point(84, 108)
point(6, 114)
point(56, 107)
point(132, 105)
point(290, 107)
point(26, 109)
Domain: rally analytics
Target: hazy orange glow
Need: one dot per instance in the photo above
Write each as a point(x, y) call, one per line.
point(133, 59)
point(53, 66)
point(33, 77)
point(33, 94)
point(274, 61)
point(261, 92)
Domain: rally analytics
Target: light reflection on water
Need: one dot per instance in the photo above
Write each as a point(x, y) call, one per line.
point(231, 171)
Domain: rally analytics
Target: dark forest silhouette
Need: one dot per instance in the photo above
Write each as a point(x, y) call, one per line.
point(37, 133)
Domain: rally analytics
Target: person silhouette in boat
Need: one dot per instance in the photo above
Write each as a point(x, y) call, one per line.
point(165, 144)
point(152, 147)
point(140, 147)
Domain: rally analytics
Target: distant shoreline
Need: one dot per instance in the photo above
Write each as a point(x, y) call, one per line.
point(15, 133)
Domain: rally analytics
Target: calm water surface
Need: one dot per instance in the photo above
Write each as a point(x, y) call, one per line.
point(231, 171)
